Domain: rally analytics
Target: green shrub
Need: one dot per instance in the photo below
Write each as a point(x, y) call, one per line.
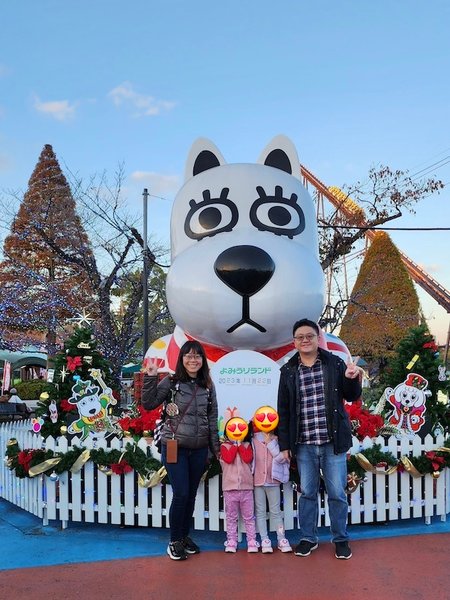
point(31, 390)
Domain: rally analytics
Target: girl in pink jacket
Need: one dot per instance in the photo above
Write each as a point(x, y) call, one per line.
point(270, 468)
point(236, 458)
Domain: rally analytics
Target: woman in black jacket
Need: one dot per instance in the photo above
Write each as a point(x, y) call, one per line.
point(190, 430)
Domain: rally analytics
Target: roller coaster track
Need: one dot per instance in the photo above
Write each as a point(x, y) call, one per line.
point(355, 216)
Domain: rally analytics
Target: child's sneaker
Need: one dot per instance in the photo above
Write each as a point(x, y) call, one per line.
point(266, 546)
point(230, 546)
point(284, 545)
point(252, 546)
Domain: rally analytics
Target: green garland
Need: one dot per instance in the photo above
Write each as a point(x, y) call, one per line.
point(131, 457)
point(375, 455)
point(430, 462)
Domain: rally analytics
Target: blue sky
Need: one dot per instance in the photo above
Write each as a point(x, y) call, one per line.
point(352, 83)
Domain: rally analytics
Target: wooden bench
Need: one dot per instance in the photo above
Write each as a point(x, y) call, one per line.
point(10, 411)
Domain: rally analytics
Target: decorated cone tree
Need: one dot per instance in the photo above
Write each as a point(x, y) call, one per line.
point(84, 399)
point(38, 288)
point(383, 304)
point(79, 362)
point(418, 353)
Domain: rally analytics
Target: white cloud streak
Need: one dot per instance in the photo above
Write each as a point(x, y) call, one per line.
point(125, 96)
point(61, 110)
point(157, 184)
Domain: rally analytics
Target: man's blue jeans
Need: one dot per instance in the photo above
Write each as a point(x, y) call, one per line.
point(310, 460)
point(184, 476)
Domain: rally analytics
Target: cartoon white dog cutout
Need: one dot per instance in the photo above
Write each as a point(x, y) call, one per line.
point(244, 248)
point(92, 406)
point(408, 399)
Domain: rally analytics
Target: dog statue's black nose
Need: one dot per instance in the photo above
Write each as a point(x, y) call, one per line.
point(244, 269)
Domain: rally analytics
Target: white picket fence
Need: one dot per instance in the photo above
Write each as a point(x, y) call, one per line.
point(90, 496)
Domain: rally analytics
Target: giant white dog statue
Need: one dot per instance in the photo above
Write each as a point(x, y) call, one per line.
point(245, 262)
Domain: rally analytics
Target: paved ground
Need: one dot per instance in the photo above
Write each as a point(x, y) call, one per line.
point(399, 560)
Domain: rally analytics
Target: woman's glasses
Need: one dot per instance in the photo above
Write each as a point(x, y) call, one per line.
point(193, 356)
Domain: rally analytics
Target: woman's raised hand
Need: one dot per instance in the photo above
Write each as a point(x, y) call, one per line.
point(149, 367)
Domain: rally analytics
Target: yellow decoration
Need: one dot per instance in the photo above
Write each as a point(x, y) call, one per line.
point(63, 430)
point(410, 467)
point(411, 363)
point(153, 478)
point(81, 460)
point(365, 463)
point(43, 466)
point(105, 469)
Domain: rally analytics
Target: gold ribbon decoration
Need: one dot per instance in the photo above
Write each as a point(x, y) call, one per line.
point(365, 463)
point(11, 442)
point(442, 449)
point(410, 467)
point(44, 466)
point(81, 460)
point(154, 477)
point(391, 470)
point(104, 469)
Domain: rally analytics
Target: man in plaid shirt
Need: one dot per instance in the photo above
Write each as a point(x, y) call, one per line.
point(315, 428)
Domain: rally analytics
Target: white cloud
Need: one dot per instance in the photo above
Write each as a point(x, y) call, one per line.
point(5, 163)
point(61, 110)
point(143, 106)
point(157, 184)
point(432, 268)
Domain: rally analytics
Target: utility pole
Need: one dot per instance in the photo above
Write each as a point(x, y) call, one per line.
point(145, 272)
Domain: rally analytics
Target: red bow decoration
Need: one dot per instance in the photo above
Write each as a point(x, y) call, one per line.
point(73, 362)
point(121, 467)
point(437, 462)
point(431, 345)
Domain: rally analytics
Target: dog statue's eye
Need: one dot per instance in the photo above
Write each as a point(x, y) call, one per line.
point(404, 394)
point(210, 216)
point(280, 215)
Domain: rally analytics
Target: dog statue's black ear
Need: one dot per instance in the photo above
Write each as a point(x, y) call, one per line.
point(281, 154)
point(202, 156)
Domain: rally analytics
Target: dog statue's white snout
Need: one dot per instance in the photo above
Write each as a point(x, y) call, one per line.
point(244, 269)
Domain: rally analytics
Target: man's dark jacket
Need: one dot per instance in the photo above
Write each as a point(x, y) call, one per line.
point(336, 388)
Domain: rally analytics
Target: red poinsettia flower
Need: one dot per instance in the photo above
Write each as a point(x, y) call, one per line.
point(366, 424)
point(73, 362)
point(121, 467)
point(146, 421)
point(66, 406)
point(24, 457)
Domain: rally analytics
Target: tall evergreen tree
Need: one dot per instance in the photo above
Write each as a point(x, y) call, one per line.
point(37, 287)
point(383, 303)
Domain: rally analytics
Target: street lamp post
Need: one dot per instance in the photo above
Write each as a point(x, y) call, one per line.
point(145, 271)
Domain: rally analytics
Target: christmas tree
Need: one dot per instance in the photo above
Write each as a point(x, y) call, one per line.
point(38, 288)
point(383, 304)
point(83, 398)
point(417, 352)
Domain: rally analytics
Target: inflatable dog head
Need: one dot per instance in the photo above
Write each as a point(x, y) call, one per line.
point(244, 249)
